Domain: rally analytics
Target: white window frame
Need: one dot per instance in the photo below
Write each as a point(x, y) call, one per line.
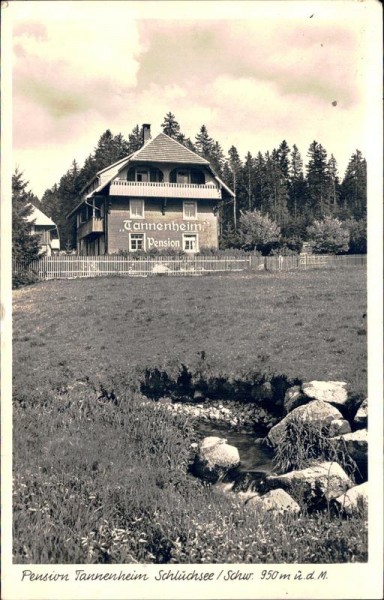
point(134, 216)
point(190, 235)
point(131, 236)
point(187, 217)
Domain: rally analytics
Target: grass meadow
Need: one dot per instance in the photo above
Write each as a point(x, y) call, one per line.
point(100, 475)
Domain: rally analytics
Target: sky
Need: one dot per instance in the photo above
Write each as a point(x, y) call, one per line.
point(255, 73)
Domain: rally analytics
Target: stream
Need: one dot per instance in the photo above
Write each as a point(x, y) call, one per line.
point(255, 459)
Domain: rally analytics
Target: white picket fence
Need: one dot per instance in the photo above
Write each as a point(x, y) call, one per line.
point(69, 266)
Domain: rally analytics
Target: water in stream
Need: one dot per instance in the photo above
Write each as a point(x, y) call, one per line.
point(254, 458)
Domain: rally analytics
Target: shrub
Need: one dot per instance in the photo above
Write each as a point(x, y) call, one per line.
point(328, 236)
point(24, 277)
point(258, 232)
point(305, 442)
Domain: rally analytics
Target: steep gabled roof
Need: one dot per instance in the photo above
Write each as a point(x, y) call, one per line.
point(161, 149)
point(167, 150)
point(39, 218)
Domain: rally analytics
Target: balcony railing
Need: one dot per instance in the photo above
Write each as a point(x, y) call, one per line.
point(154, 189)
point(94, 225)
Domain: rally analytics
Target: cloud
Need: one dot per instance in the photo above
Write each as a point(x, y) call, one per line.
point(85, 67)
point(322, 63)
point(68, 69)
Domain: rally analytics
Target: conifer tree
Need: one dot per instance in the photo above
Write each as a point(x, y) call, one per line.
point(204, 143)
point(354, 186)
point(297, 187)
point(318, 180)
point(135, 139)
point(170, 126)
point(25, 245)
point(334, 184)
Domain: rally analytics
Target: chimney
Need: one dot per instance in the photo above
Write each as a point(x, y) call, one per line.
point(146, 132)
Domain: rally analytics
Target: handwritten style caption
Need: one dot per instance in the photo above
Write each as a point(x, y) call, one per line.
point(80, 575)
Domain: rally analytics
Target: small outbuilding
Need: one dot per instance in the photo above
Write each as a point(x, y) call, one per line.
point(46, 229)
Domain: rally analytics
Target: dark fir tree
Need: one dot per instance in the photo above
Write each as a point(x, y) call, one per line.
point(135, 139)
point(334, 184)
point(249, 179)
point(297, 185)
point(275, 191)
point(354, 187)
point(235, 168)
point(318, 183)
point(217, 159)
point(282, 157)
point(204, 143)
point(25, 245)
point(170, 126)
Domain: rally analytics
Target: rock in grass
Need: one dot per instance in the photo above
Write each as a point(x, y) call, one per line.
point(356, 444)
point(314, 486)
point(316, 412)
point(339, 427)
point(215, 458)
point(354, 498)
point(361, 418)
point(276, 500)
point(334, 392)
point(294, 398)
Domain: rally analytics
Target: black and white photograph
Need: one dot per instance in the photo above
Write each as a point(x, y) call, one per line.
point(191, 260)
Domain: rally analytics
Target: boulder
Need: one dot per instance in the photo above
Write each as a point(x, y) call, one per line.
point(215, 458)
point(314, 486)
point(294, 398)
point(356, 444)
point(276, 500)
point(334, 392)
point(339, 427)
point(317, 412)
point(361, 418)
point(352, 499)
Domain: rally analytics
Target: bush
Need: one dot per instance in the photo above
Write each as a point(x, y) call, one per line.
point(306, 442)
point(357, 235)
point(328, 236)
point(21, 278)
point(258, 232)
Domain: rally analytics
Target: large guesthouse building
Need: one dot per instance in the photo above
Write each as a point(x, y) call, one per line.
point(162, 196)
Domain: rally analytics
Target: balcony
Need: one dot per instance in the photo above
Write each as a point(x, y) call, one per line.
point(94, 225)
point(154, 189)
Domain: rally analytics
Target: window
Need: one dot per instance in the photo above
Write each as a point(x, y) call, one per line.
point(182, 177)
point(142, 175)
point(190, 243)
point(189, 210)
point(136, 209)
point(136, 241)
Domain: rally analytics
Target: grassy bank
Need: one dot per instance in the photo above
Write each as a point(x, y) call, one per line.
point(100, 482)
point(100, 478)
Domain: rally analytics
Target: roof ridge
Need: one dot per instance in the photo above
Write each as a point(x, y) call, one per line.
point(182, 145)
point(164, 145)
